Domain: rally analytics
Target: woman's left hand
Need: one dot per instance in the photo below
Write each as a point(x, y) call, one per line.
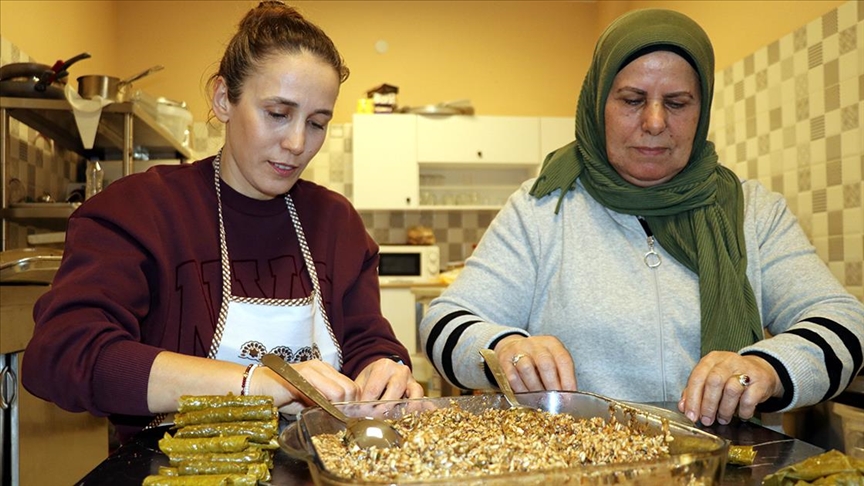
point(386, 379)
point(723, 382)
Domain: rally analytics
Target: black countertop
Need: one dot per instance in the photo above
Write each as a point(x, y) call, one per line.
point(133, 461)
point(140, 457)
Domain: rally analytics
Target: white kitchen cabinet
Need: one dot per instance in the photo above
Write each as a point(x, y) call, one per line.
point(463, 186)
point(555, 132)
point(407, 161)
point(385, 162)
point(478, 139)
point(399, 306)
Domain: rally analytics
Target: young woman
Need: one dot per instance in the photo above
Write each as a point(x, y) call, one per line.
point(176, 281)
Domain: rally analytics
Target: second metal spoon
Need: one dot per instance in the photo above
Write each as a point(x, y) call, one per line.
point(501, 378)
point(366, 432)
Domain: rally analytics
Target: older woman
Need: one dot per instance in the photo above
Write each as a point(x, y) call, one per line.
point(639, 268)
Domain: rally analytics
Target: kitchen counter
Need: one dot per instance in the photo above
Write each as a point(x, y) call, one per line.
point(133, 461)
point(33, 429)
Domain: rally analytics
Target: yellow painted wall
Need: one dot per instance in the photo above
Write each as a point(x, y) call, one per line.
point(51, 30)
point(508, 57)
point(514, 58)
point(739, 27)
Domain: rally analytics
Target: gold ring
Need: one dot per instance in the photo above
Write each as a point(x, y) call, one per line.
point(744, 380)
point(515, 359)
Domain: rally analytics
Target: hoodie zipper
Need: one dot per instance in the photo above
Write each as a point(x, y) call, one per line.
point(652, 260)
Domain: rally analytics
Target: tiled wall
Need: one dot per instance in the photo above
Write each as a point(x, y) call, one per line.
point(789, 115)
point(792, 116)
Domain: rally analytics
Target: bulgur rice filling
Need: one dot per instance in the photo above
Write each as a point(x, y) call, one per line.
point(450, 443)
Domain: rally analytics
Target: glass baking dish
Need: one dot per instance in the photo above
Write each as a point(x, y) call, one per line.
point(696, 457)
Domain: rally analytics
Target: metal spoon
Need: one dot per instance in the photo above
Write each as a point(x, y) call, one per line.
point(501, 378)
point(366, 432)
point(671, 415)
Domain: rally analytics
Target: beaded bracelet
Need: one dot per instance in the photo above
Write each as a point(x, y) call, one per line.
point(247, 378)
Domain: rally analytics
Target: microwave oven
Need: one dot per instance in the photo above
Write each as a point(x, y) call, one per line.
point(408, 263)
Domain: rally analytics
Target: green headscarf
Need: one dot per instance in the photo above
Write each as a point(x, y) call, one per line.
point(698, 215)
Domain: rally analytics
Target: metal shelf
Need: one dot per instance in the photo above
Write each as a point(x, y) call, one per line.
point(122, 127)
point(55, 120)
point(51, 216)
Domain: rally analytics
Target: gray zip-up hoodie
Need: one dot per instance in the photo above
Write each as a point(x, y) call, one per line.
point(634, 331)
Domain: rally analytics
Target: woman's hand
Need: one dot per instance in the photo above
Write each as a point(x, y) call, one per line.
point(324, 377)
point(536, 363)
point(386, 379)
point(723, 382)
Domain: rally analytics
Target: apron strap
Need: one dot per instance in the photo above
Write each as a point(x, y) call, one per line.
point(225, 264)
point(313, 272)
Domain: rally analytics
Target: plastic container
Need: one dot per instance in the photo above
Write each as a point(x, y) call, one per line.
point(696, 457)
point(146, 101)
point(94, 177)
point(853, 429)
point(176, 119)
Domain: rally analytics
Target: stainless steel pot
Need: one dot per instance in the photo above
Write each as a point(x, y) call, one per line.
point(109, 87)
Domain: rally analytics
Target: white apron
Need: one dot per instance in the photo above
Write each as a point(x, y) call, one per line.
point(294, 329)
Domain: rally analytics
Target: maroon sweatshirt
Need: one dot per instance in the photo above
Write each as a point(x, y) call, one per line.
point(141, 274)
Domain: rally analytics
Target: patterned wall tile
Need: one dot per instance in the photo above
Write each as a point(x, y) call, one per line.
point(853, 273)
point(852, 195)
point(853, 247)
point(799, 39)
point(829, 24)
point(832, 98)
point(773, 58)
